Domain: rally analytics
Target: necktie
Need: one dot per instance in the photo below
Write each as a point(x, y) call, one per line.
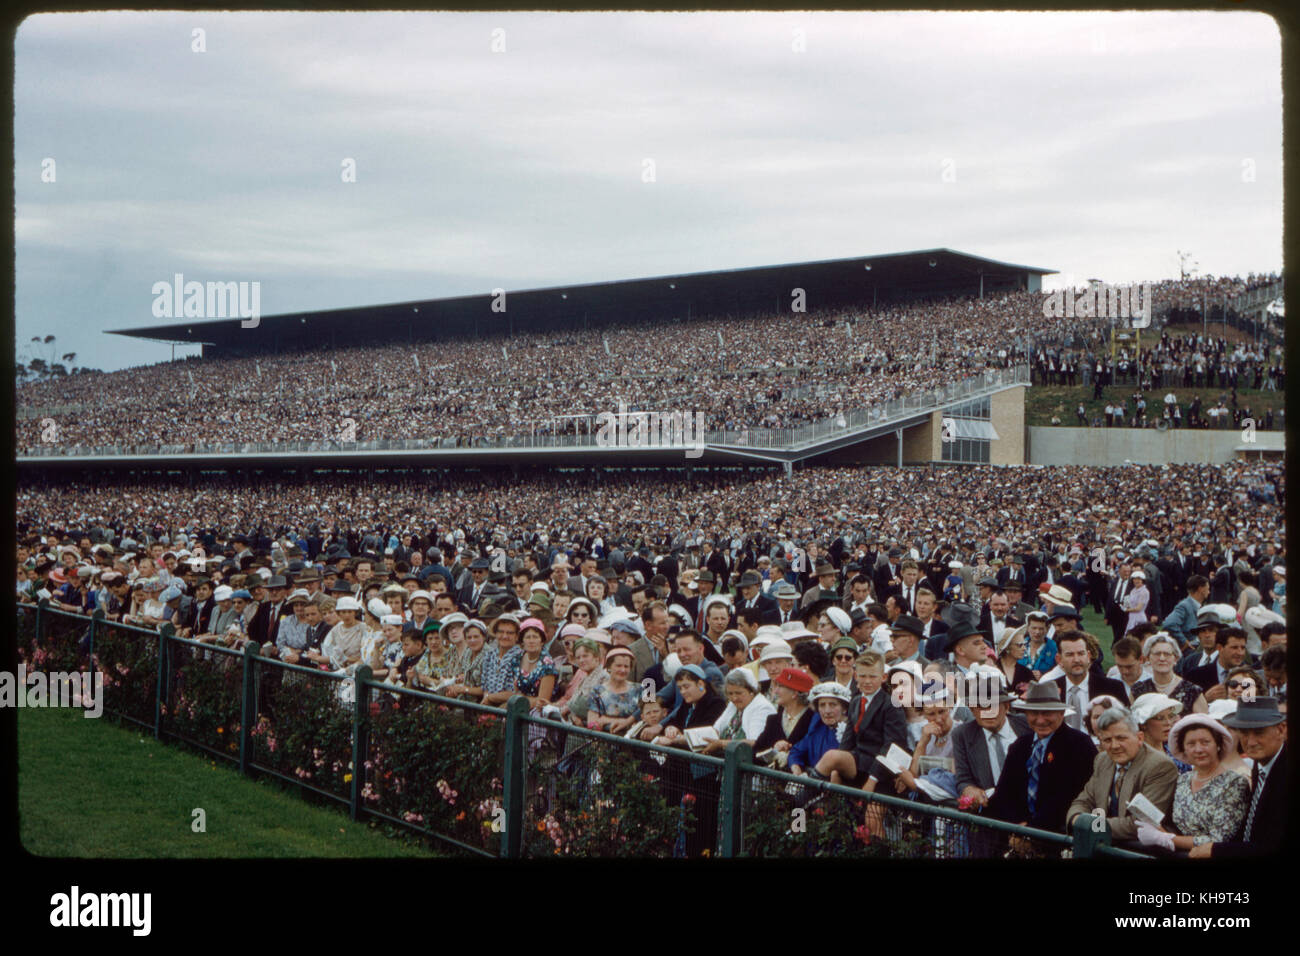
point(1254, 805)
point(1035, 762)
point(999, 755)
point(1076, 719)
point(1113, 811)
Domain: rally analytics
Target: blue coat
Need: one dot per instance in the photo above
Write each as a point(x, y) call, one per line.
point(1181, 622)
point(810, 748)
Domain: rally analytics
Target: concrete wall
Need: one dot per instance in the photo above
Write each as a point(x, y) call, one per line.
point(1007, 410)
point(923, 443)
point(1049, 445)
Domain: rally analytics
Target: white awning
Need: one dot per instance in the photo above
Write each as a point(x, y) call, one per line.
point(975, 428)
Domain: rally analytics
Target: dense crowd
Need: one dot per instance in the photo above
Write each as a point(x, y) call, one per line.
point(771, 609)
point(739, 371)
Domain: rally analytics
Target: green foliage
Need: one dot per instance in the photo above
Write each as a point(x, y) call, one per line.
point(437, 767)
point(604, 805)
point(303, 730)
point(205, 697)
point(128, 660)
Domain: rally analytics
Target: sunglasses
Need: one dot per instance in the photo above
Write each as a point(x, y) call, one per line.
point(844, 657)
point(1240, 684)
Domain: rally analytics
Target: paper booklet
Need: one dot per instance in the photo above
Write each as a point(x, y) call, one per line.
point(932, 790)
point(697, 737)
point(938, 763)
point(1143, 809)
point(635, 730)
point(896, 759)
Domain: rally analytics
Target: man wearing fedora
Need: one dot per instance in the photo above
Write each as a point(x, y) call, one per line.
point(1045, 769)
point(980, 747)
point(1017, 607)
point(1125, 767)
point(825, 588)
point(786, 597)
point(472, 593)
point(1262, 729)
point(751, 595)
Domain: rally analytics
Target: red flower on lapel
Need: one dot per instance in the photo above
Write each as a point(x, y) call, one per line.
point(1050, 756)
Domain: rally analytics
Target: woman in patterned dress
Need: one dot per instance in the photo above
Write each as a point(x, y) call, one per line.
point(537, 671)
point(469, 682)
point(616, 704)
point(1210, 799)
point(1161, 652)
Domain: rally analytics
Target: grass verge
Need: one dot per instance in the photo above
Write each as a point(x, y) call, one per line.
point(89, 788)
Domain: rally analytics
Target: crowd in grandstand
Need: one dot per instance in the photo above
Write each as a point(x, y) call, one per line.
point(796, 596)
point(774, 370)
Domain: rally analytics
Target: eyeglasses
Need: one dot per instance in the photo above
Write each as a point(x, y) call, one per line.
point(844, 657)
point(1240, 684)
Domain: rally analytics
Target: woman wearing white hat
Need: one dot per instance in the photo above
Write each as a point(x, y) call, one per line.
point(1210, 801)
point(746, 714)
point(1155, 714)
point(1135, 602)
point(342, 645)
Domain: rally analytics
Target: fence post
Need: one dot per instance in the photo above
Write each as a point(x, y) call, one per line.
point(164, 676)
point(736, 758)
point(248, 708)
point(96, 619)
point(41, 605)
point(1086, 839)
point(360, 730)
point(513, 783)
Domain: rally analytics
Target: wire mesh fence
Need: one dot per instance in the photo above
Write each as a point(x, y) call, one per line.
point(594, 795)
point(434, 765)
point(127, 657)
point(302, 727)
point(784, 816)
point(202, 695)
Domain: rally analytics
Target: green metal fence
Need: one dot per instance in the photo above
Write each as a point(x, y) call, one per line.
point(499, 782)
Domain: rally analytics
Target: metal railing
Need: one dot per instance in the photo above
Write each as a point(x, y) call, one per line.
point(844, 425)
point(500, 783)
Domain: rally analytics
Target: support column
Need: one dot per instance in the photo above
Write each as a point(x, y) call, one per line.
point(898, 433)
point(789, 468)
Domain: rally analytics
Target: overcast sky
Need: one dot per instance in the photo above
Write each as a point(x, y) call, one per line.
point(1095, 144)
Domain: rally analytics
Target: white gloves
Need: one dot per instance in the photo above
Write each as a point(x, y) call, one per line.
point(1149, 836)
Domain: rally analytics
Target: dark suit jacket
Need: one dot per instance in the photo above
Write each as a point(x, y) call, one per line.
point(771, 610)
point(1269, 830)
point(1060, 779)
point(870, 733)
point(1100, 685)
point(971, 755)
point(986, 621)
point(772, 731)
point(937, 628)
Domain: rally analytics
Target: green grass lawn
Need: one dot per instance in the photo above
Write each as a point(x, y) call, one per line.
point(89, 788)
point(1042, 400)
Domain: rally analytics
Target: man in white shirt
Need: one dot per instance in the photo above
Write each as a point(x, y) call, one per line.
point(979, 748)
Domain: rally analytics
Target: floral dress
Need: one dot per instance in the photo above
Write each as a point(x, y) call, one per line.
point(1215, 812)
point(610, 703)
point(1186, 693)
point(529, 684)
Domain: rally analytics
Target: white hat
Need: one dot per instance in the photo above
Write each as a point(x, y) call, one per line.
point(347, 604)
point(912, 667)
point(882, 639)
point(766, 634)
point(1258, 616)
point(676, 611)
point(421, 593)
point(1138, 574)
point(955, 565)
point(1148, 705)
point(1222, 707)
point(538, 586)
point(378, 608)
point(1217, 614)
point(831, 689)
point(224, 592)
point(840, 618)
point(394, 619)
point(455, 617)
point(775, 650)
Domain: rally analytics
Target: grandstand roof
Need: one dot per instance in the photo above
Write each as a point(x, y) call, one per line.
point(860, 280)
